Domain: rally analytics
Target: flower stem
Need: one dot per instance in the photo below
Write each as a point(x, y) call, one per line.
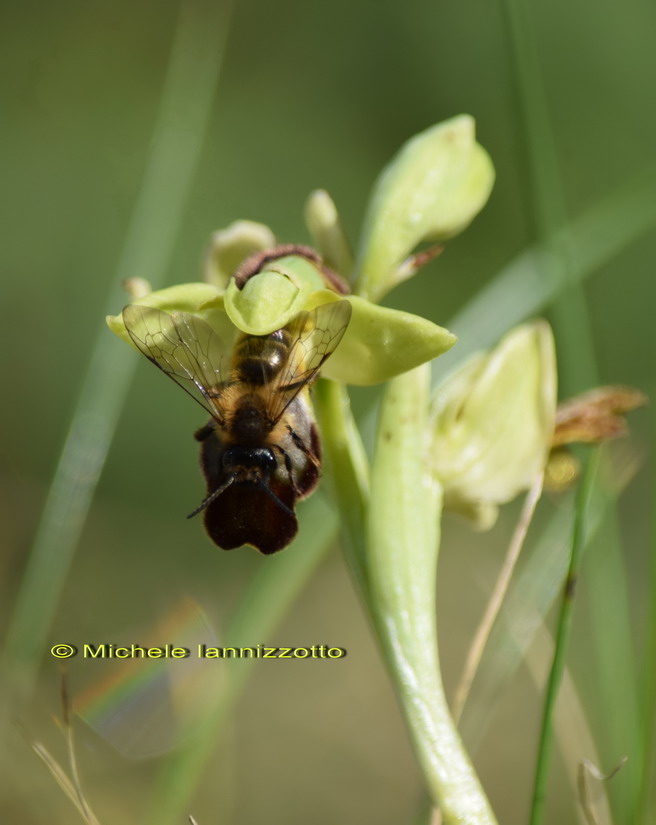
point(403, 544)
point(392, 544)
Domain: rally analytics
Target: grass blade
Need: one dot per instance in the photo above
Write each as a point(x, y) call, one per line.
point(529, 598)
point(546, 200)
point(646, 809)
point(495, 603)
point(60, 777)
point(562, 638)
point(177, 141)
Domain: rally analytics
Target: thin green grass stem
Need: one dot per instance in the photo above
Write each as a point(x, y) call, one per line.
point(646, 808)
point(184, 110)
point(546, 199)
point(545, 743)
point(482, 635)
point(532, 592)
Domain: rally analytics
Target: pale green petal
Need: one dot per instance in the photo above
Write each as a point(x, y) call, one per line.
point(272, 297)
point(232, 245)
point(381, 343)
point(431, 190)
point(203, 300)
point(493, 420)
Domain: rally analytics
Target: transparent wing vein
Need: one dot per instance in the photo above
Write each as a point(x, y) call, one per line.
point(315, 336)
point(185, 348)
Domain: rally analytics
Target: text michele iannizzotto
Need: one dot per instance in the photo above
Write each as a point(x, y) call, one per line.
point(200, 651)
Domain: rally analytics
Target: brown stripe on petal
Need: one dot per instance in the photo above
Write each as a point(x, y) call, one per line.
point(258, 260)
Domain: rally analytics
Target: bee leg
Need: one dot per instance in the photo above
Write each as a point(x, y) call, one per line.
point(205, 431)
point(300, 444)
point(288, 467)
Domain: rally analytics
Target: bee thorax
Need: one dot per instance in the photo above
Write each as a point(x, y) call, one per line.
point(249, 425)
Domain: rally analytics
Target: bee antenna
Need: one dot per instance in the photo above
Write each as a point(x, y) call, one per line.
point(275, 498)
point(207, 501)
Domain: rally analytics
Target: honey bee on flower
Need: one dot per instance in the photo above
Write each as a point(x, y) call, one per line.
point(260, 449)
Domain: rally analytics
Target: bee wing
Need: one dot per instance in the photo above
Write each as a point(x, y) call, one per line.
point(314, 337)
point(185, 348)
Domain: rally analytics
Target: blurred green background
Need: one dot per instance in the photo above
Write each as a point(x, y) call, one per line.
point(309, 95)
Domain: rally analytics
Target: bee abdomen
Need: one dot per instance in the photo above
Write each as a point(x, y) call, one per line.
point(258, 359)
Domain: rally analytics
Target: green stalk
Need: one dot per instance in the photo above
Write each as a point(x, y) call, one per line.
point(400, 531)
point(176, 145)
point(403, 545)
point(545, 744)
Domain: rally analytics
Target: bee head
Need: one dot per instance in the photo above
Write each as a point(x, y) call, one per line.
point(238, 459)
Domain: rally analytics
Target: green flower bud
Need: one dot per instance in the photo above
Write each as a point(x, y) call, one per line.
point(325, 226)
point(137, 288)
point(431, 190)
point(493, 422)
point(230, 246)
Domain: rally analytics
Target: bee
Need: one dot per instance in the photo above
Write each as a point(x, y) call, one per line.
point(260, 450)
